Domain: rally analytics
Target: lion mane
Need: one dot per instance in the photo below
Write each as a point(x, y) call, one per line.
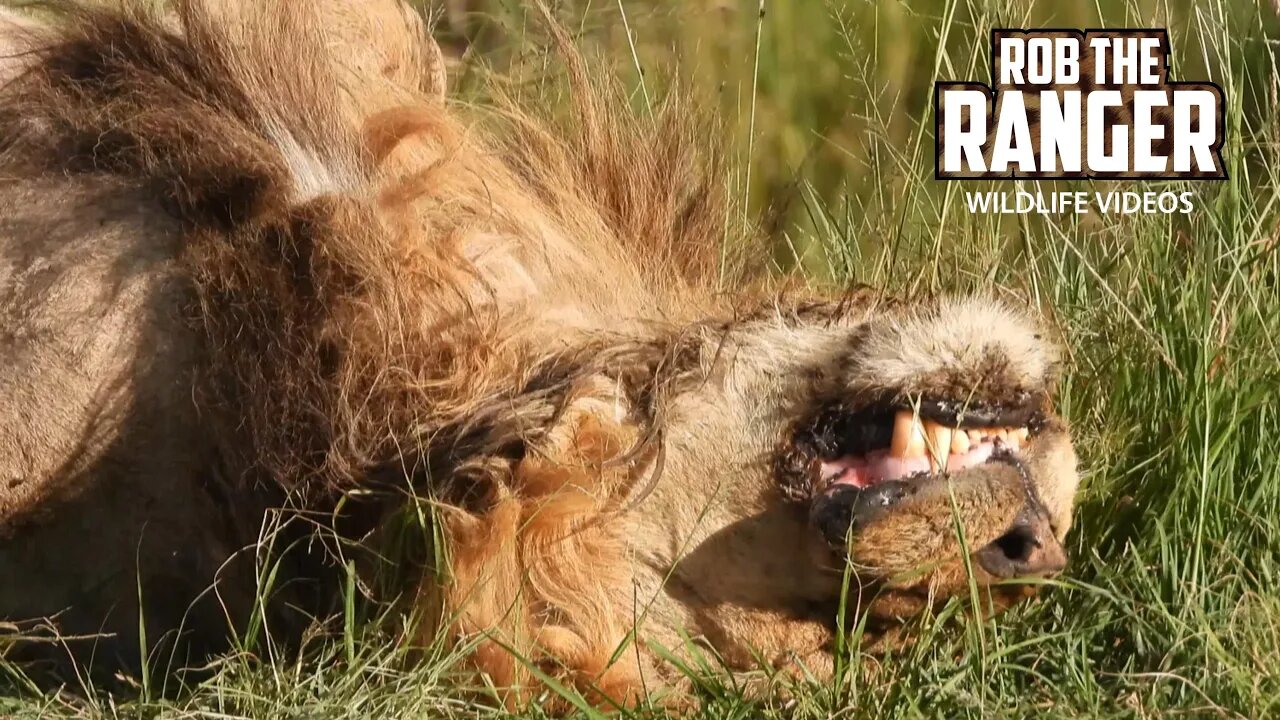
point(350, 241)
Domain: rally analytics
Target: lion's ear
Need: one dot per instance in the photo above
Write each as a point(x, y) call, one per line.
point(589, 450)
point(535, 571)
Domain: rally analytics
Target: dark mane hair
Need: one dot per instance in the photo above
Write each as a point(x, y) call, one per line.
point(372, 283)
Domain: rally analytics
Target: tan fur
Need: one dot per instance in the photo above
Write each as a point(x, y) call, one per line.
point(305, 277)
point(14, 29)
point(926, 348)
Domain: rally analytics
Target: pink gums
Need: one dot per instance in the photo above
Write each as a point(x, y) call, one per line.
point(879, 466)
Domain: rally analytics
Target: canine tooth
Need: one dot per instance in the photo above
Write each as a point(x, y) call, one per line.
point(939, 445)
point(960, 442)
point(908, 436)
point(1017, 437)
point(901, 434)
point(916, 447)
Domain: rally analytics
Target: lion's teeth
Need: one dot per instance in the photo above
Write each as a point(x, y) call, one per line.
point(901, 433)
point(939, 444)
point(941, 437)
point(1017, 437)
point(916, 439)
point(902, 422)
point(908, 436)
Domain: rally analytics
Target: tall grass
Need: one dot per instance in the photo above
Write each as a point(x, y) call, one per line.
point(1172, 380)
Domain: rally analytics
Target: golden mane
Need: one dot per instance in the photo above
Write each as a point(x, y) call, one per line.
point(350, 265)
point(387, 291)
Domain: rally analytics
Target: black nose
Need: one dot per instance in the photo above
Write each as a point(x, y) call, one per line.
point(1029, 548)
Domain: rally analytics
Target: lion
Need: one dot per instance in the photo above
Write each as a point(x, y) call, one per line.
point(272, 306)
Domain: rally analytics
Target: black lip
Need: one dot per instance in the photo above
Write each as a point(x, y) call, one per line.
point(838, 431)
point(1028, 412)
point(846, 509)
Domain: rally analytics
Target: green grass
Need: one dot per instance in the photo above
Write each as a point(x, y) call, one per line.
point(1172, 380)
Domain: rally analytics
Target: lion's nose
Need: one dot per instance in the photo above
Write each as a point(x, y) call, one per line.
point(1028, 549)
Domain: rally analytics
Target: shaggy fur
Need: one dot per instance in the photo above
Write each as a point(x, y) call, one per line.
point(252, 260)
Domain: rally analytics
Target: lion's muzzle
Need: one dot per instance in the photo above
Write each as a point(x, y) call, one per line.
point(904, 492)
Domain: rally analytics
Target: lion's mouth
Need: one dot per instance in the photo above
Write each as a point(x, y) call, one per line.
point(879, 445)
point(880, 474)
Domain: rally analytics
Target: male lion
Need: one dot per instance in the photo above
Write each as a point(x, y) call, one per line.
point(256, 273)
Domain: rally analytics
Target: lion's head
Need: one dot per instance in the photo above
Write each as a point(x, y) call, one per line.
point(911, 444)
point(741, 481)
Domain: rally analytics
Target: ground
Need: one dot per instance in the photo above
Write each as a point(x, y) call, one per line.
point(1170, 603)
